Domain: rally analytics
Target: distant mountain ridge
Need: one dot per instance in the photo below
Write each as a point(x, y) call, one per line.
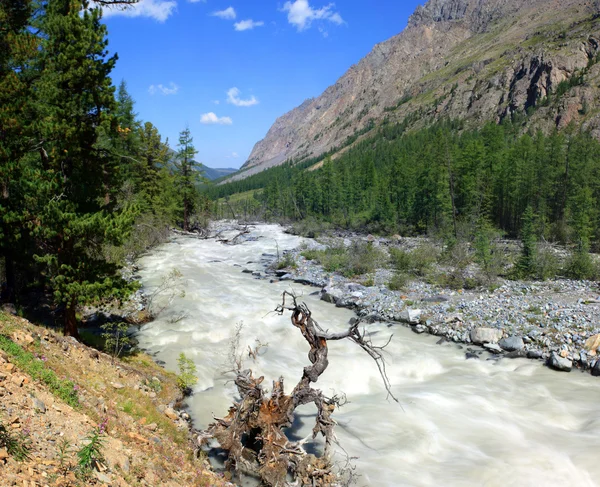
point(210, 173)
point(216, 172)
point(476, 60)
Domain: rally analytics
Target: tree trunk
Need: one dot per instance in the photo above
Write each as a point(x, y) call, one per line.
point(186, 216)
point(9, 274)
point(70, 324)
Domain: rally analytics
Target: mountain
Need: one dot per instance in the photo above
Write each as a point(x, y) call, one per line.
point(216, 172)
point(211, 173)
point(475, 60)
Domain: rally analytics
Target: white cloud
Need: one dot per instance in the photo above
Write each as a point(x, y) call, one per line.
point(233, 97)
point(227, 14)
point(247, 24)
point(234, 155)
point(159, 10)
point(172, 89)
point(301, 14)
point(216, 102)
point(211, 118)
point(197, 1)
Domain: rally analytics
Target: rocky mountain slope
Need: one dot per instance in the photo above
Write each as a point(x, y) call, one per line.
point(131, 405)
point(477, 60)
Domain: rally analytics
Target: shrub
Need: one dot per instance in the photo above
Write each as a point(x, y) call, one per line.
point(17, 445)
point(187, 374)
point(115, 337)
point(418, 262)
point(91, 452)
point(547, 264)
point(398, 281)
point(358, 259)
point(310, 228)
point(286, 261)
point(580, 265)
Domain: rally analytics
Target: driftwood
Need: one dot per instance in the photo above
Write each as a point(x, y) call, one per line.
point(233, 240)
point(204, 234)
point(253, 432)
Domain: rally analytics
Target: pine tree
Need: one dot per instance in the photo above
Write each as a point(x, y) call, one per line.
point(187, 175)
point(18, 49)
point(76, 214)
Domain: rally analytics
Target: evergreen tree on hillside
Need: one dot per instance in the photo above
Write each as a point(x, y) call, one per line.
point(18, 50)
point(76, 214)
point(187, 175)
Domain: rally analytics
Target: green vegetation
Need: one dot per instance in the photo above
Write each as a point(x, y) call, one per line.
point(18, 445)
point(91, 452)
point(464, 185)
point(36, 368)
point(84, 184)
point(186, 378)
point(356, 260)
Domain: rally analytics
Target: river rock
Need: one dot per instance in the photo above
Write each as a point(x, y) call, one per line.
point(592, 343)
point(512, 344)
point(559, 363)
point(492, 347)
point(331, 294)
point(411, 316)
point(480, 336)
point(534, 354)
point(596, 369)
point(171, 414)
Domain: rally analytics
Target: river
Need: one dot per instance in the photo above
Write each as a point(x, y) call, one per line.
point(459, 422)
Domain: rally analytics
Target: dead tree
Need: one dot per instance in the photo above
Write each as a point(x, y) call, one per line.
point(253, 431)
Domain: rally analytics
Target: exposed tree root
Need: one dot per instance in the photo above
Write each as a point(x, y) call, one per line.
point(253, 431)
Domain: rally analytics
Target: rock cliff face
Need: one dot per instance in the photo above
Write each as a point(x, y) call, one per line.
point(477, 60)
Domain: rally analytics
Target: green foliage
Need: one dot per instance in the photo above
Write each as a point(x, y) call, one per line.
point(84, 185)
point(17, 444)
point(487, 253)
point(310, 227)
point(358, 259)
point(580, 265)
point(445, 179)
point(36, 368)
point(116, 339)
point(186, 378)
point(286, 261)
point(525, 266)
point(417, 262)
point(398, 281)
point(91, 452)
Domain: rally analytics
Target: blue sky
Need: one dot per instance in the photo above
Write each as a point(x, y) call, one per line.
point(229, 68)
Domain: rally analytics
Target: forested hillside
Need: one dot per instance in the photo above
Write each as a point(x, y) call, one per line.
point(84, 184)
point(443, 180)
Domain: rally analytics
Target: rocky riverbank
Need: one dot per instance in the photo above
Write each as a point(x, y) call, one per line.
point(555, 321)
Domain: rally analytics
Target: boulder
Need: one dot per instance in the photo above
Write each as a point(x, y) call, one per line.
point(410, 316)
point(559, 363)
point(596, 369)
point(38, 405)
point(480, 336)
point(512, 344)
point(171, 414)
point(331, 294)
point(592, 343)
